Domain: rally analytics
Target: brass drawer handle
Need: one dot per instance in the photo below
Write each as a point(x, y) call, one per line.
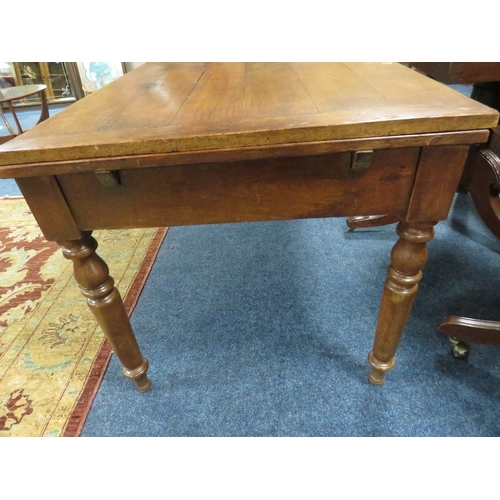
point(109, 178)
point(361, 160)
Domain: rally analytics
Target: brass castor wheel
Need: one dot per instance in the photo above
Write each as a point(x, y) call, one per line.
point(459, 348)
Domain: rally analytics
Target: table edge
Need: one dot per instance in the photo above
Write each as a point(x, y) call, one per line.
point(119, 162)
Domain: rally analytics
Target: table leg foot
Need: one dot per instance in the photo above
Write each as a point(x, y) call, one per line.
point(105, 303)
point(379, 369)
point(139, 376)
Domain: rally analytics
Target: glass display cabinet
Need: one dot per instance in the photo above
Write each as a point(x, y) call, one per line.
point(66, 82)
point(59, 78)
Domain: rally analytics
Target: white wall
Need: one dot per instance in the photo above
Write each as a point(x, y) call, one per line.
point(132, 65)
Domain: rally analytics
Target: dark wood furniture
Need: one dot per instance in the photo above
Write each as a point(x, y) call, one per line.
point(481, 178)
point(199, 143)
point(466, 73)
point(9, 95)
point(480, 167)
point(485, 79)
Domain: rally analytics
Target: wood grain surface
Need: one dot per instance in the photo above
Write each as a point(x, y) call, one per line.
point(187, 107)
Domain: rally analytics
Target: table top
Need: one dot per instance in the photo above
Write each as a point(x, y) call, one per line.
point(13, 93)
point(161, 108)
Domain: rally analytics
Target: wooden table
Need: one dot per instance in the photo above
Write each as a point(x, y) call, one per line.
point(11, 94)
point(199, 143)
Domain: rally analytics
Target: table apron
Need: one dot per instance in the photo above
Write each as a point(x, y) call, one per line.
point(260, 190)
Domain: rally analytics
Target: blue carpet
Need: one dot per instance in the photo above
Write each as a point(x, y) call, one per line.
point(263, 329)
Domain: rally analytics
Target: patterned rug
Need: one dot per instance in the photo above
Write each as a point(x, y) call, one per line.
point(52, 353)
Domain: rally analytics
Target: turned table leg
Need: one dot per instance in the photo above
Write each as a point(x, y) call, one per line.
point(408, 257)
point(105, 302)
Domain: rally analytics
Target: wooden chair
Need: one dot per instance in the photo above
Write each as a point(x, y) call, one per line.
point(484, 187)
point(11, 94)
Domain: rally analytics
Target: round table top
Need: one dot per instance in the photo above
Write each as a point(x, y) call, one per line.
point(13, 93)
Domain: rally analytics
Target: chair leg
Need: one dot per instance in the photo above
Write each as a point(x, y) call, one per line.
point(361, 221)
point(13, 111)
point(7, 124)
point(462, 331)
point(45, 107)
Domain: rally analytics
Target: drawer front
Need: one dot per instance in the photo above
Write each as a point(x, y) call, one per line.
point(256, 190)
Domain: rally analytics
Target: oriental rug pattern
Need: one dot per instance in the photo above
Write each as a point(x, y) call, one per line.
point(52, 353)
